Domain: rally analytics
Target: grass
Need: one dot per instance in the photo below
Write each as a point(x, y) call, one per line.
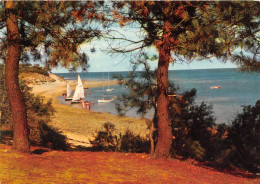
point(107, 167)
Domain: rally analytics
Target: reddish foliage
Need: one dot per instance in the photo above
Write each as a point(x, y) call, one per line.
point(78, 14)
point(180, 11)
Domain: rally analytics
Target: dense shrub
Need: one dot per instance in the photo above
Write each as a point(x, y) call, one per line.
point(190, 126)
point(128, 142)
point(105, 140)
point(134, 143)
point(244, 135)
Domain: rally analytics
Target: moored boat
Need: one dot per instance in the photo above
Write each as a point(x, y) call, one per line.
point(215, 87)
point(103, 100)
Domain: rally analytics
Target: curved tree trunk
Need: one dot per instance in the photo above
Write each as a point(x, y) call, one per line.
point(164, 142)
point(163, 146)
point(15, 96)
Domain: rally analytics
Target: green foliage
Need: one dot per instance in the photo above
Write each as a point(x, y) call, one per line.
point(218, 146)
point(242, 28)
point(190, 126)
point(141, 89)
point(244, 134)
point(27, 68)
point(128, 142)
point(197, 29)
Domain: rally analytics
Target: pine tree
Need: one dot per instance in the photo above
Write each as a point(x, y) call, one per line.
point(35, 29)
point(175, 29)
point(185, 30)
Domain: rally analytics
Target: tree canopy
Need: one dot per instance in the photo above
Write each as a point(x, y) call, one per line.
point(51, 31)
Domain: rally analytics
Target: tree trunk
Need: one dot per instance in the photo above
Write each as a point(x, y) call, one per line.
point(15, 96)
point(163, 146)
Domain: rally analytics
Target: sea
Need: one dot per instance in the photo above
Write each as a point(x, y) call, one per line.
point(237, 90)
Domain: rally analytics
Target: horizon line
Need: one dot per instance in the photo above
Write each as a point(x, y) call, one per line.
point(142, 70)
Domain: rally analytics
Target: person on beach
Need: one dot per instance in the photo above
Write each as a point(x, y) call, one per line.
point(87, 105)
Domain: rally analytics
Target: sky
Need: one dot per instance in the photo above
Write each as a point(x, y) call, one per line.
point(101, 61)
point(108, 64)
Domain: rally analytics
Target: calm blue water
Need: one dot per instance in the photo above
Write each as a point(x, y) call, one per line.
point(237, 89)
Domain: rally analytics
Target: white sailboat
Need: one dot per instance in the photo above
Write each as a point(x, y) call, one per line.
point(103, 100)
point(69, 93)
point(108, 89)
point(79, 92)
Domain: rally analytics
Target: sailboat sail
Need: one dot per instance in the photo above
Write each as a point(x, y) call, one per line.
point(79, 92)
point(69, 91)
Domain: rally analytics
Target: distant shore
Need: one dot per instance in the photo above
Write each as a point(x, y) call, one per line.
point(80, 125)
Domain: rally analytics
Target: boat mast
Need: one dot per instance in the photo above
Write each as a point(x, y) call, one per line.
point(103, 85)
point(108, 80)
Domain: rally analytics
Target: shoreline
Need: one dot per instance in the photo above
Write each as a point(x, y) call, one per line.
point(80, 125)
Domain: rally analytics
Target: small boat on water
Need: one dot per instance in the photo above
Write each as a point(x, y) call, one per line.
point(215, 87)
point(109, 90)
point(69, 93)
point(79, 94)
point(105, 100)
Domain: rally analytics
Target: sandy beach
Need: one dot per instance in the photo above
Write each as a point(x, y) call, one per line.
point(81, 125)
